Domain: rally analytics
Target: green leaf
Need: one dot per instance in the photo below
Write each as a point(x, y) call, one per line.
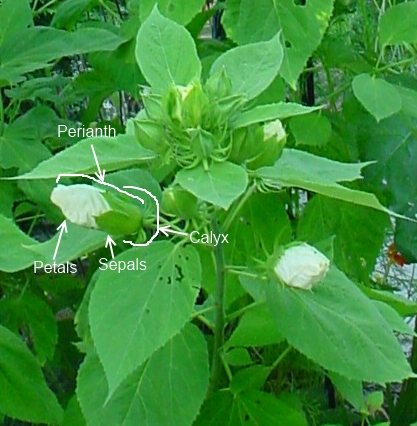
point(302, 28)
point(21, 142)
point(392, 317)
point(166, 53)
point(15, 16)
point(68, 12)
point(251, 68)
point(339, 328)
point(251, 408)
point(393, 143)
point(237, 357)
point(318, 174)
point(177, 10)
point(220, 185)
point(403, 306)
point(73, 415)
point(117, 68)
point(142, 318)
point(311, 129)
point(351, 390)
point(20, 53)
point(13, 256)
point(357, 230)
point(167, 390)
point(18, 251)
point(255, 328)
point(398, 24)
point(25, 394)
point(379, 97)
point(113, 153)
point(30, 310)
point(74, 244)
point(271, 112)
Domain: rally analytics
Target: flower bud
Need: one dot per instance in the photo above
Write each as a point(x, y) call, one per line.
point(301, 266)
point(80, 204)
point(96, 208)
point(202, 143)
point(218, 86)
point(151, 136)
point(270, 148)
point(179, 203)
point(243, 144)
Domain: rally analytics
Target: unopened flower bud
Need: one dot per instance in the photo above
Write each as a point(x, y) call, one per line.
point(302, 266)
point(80, 204)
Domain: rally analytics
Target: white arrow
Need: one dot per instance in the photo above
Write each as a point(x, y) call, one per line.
point(100, 174)
point(61, 227)
point(166, 230)
point(110, 243)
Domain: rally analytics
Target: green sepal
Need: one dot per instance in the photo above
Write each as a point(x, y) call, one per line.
point(218, 86)
point(151, 135)
point(153, 107)
point(178, 202)
point(123, 218)
point(202, 143)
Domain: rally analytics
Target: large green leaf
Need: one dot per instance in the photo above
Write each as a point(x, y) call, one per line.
point(112, 153)
point(307, 171)
point(36, 47)
point(255, 328)
point(339, 328)
point(251, 68)
point(70, 11)
point(303, 27)
point(15, 16)
point(378, 96)
point(312, 129)
point(13, 256)
point(25, 395)
point(220, 185)
point(393, 143)
point(18, 251)
point(167, 390)
point(166, 53)
point(75, 243)
point(143, 312)
point(32, 311)
point(398, 24)
point(177, 10)
point(21, 142)
point(359, 233)
point(270, 112)
point(251, 408)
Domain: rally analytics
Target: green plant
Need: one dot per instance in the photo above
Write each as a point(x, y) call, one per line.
point(200, 326)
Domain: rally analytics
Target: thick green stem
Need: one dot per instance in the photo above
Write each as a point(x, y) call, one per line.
point(216, 365)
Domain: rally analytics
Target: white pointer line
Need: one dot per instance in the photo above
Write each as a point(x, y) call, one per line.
point(100, 175)
point(101, 183)
point(62, 227)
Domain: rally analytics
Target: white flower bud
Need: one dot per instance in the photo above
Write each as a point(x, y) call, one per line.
point(302, 266)
point(80, 204)
point(274, 129)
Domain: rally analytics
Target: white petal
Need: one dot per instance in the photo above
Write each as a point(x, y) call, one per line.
point(80, 203)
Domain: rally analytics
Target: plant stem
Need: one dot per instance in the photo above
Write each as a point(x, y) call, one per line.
point(216, 365)
point(281, 357)
point(240, 204)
